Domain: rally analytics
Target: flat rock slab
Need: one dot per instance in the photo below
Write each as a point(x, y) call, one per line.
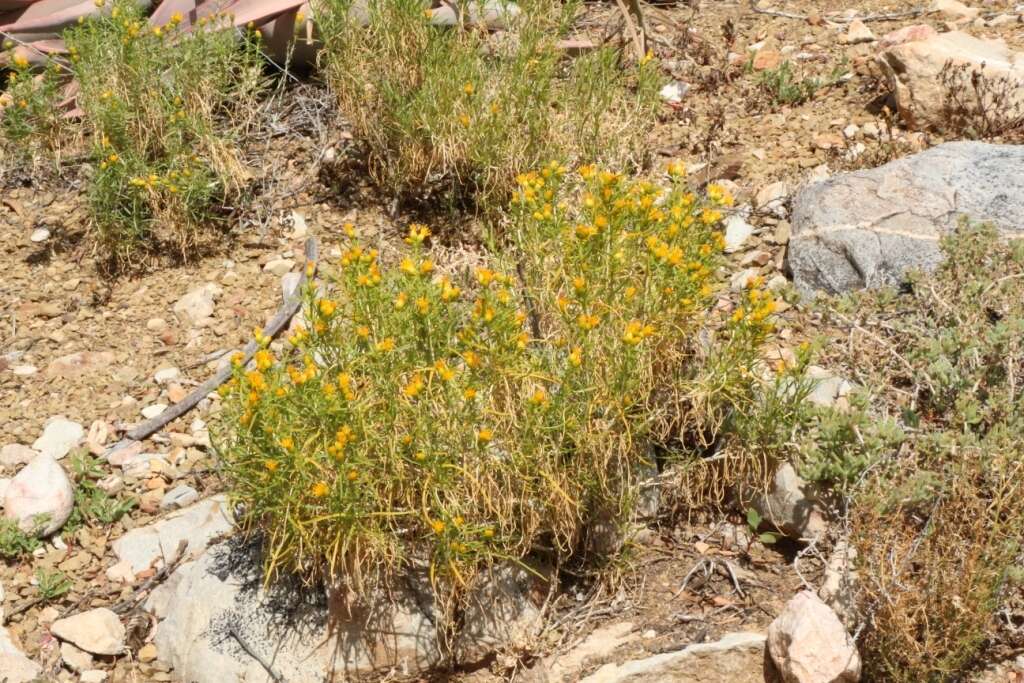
point(870, 228)
point(736, 658)
point(157, 543)
point(219, 621)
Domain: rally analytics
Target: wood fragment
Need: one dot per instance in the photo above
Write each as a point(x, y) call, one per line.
point(284, 314)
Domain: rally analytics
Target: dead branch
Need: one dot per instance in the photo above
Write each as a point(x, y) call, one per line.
point(284, 314)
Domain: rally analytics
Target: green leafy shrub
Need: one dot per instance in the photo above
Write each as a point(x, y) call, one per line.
point(162, 108)
point(444, 108)
point(935, 494)
point(461, 419)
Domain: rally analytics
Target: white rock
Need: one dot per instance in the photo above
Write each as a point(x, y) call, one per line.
point(674, 92)
point(24, 370)
point(156, 543)
point(198, 304)
point(156, 324)
point(75, 659)
point(871, 130)
point(808, 644)
point(151, 411)
point(737, 231)
point(98, 631)
point(96, 437)
point(565, 668)
point(290, 284)
point(200, 595)
point(299, 227)
point(792, 505)
point(850, 132)
point(14, 454)
point(111, 484)
point(40, 235)
point(736, 658)
point(828, 387)
point(772, 199)
point(59, 436)
point(953, 9)
point(858, 32)
point(279, 266)
point(179, 497)
point(165, 375)
point(741, 279)
point(93, 676)
point(121, 572)
point(40, 497)
point(14, 665)
point(839, 587)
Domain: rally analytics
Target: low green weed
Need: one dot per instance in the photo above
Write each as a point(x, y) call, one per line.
point(15, 543)
point(783, 86)
point(446, 109)
point(52, 584)
point(92, 504)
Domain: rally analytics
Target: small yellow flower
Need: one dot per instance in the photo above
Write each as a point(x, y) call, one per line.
point(469, 394)
point(468, 88)
point(353, 475)
point(438, 526)
point(576, 356)
point(426, 267)
point(587, 321)
point(417, 233)
point(386, 345)
point(320, 489)
point(488, 533)
point(539, 398)
point(327, 307)
point(464, 120)
point(271, 465)
point(676, 169)
point(287, 443)
point(401, 300)
point(422, 305)
point(444, 371)
point(363, 331)
point(484, 435)
point(264, 359)
point(414, 386)
point(407, 266)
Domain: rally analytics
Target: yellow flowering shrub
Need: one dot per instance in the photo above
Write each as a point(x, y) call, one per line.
point(452, 111)
point(160, 106)
point(462, 419)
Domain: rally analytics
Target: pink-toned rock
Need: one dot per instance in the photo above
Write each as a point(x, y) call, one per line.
point(809, 644)
point(907, 34)
point(80, 363)
point(40, 497)
point(766, 59)
point(913, 70)
point(96, 437)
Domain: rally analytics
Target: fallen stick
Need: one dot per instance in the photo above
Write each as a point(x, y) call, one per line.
point(284, 314)
point(894, 16)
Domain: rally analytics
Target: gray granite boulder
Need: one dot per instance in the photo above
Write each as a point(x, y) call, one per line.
point(870, 228)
